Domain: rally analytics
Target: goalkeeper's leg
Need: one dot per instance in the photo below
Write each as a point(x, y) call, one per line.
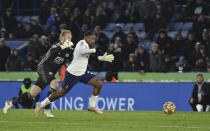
point(23, 97)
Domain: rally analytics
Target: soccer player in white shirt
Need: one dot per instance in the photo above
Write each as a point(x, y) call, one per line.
point(77, 72)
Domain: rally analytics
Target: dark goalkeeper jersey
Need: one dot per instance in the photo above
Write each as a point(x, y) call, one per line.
point(55, 58)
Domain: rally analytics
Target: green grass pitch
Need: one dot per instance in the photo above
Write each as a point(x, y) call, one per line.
point(66, 120)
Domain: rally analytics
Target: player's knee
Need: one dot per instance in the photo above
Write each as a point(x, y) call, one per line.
point(99, 84)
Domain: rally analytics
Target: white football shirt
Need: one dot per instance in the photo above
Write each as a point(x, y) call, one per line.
point(79, 63)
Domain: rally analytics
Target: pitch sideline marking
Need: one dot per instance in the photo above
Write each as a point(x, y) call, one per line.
point(115, 124)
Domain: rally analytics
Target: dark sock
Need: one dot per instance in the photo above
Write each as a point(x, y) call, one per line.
point(23, 97)
point(48, 94)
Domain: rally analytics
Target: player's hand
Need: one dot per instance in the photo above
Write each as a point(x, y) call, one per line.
point(67, 44)
point(105, 57)
point(192, 100)
point(200, 99)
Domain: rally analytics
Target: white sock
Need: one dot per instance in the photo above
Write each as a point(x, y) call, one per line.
point(45, 102)
point(208, 108)
point(199, 107)
point(93, 101)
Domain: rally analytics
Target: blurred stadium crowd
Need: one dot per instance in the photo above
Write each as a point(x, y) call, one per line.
point(143, 35)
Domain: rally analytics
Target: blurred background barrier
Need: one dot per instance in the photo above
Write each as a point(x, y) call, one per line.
point(115, 96)
point(122, 76)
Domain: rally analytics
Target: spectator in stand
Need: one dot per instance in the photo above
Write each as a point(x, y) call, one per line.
point(159, 23)
point(74, 26)
point(195, 8)
point(131, 32)
point(199, 97)
point(58, 21)
point(131, 64)
point(29, 32)
point(65, 15)
point(35, 27)
point(100, 17)
point(189, 47)
point(53, 36)
point(147, 11)
point(13, 62)
point(165, 43)
point(155, 59)
point(200, 63)
point(84, 29)
point(29, 64)
point(208, 46)
point(44, 12)
point(20, 32)
point(129, 47)
point(195, 54)
point(116, 50)
point(178, 45)
point(4, 54)
point(88, 18)
point(42, 48)
point(110, 77)
point(167, 9)
point(3, 33)
point(102, 40)
point(9, 21)
point(199, 25)
point(142, 59)
point(53, 15)
point(77, 16)
point(167, 64)
point(204, 40)
point(32, 46)
point(181, 65)
point(119, 33)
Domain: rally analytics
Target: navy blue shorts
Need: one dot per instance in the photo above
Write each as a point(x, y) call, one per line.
point(70, 80)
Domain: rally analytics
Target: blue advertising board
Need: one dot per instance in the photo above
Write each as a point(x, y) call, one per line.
point(114, 96)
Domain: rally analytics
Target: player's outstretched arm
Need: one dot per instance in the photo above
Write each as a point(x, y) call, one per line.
point(84, 50)
point(105, 57)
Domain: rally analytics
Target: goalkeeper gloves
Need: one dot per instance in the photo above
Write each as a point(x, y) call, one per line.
point(66, 44)
point(105, 57)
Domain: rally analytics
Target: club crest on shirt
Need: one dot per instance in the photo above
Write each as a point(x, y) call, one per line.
point(67, 55)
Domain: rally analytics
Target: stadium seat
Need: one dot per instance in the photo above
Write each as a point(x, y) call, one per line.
point(187, 26)
point(125, 28)
point(109, 27)
point(184, 34)
point(109, 34)
point(172, 34)
point(138, 27)
point(143, 35)
point(26, 19)
point(175, 26)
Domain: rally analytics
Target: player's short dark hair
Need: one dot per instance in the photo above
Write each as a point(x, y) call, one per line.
point(89, 33)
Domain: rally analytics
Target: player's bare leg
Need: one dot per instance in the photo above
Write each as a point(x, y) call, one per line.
point(54, 86)
point(97, 84)
point(54, 96)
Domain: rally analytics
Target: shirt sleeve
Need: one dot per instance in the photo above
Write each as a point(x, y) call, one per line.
point(85, 50)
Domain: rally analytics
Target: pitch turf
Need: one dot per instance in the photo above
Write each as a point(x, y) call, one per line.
point(24, 120)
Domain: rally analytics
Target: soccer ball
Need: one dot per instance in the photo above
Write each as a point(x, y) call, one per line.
point(169, 107)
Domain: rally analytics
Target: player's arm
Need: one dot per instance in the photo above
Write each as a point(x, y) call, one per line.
point(56, 48)
point(85, 50)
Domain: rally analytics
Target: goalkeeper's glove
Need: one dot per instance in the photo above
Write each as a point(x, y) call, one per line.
point(105, 57)
point(66, 44)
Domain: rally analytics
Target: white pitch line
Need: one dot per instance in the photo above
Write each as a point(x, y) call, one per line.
point(114, 124)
